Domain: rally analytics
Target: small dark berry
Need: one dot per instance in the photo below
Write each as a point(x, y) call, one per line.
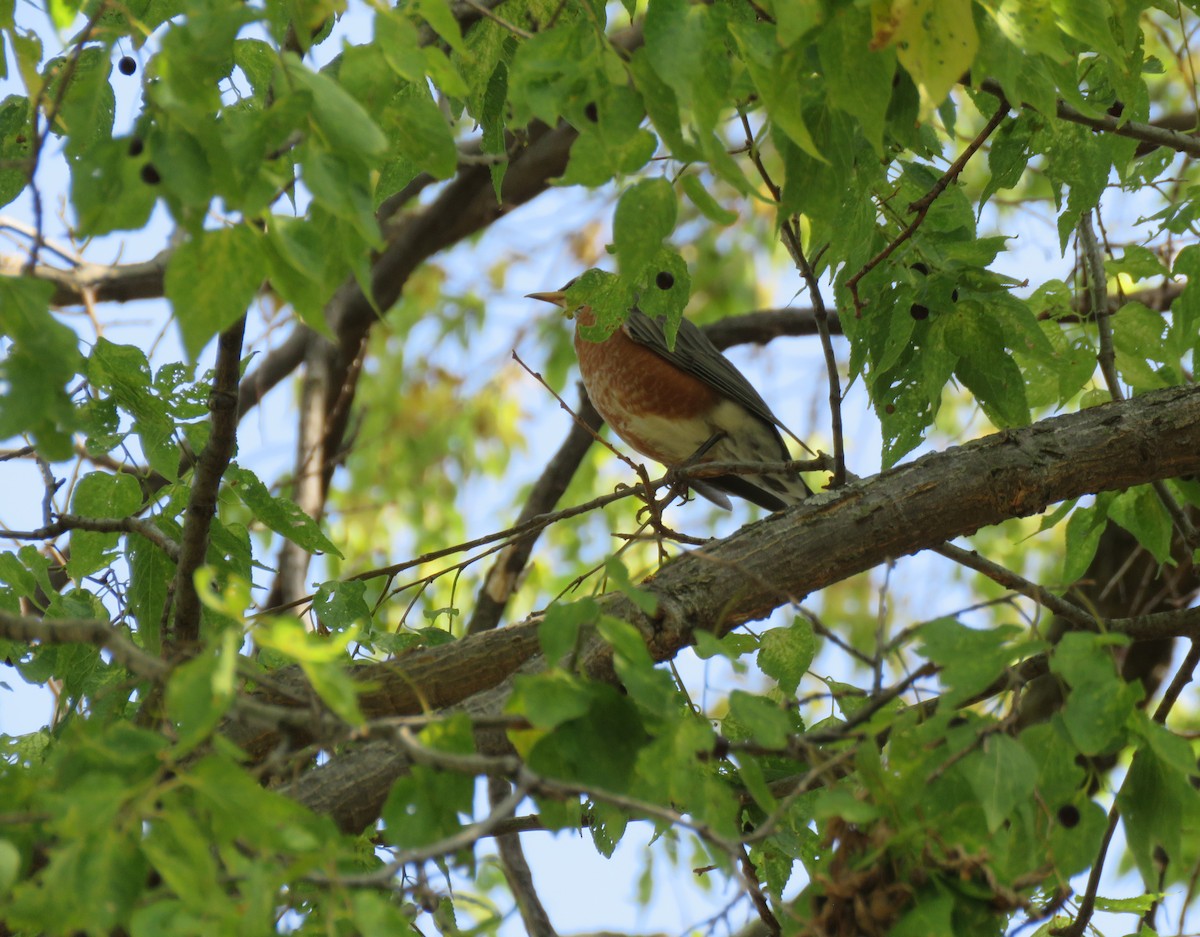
point(1068, 815)
point(150, 175)
point(919, 312)
point(920, 268)
point(590, 112)
point(136, 145)
point(954, 296)
point(127, 65)
point(664, 280)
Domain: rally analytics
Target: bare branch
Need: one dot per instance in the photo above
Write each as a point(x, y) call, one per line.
point(202, 501)
point(83, 631)
point(1151, 134)
point(103, 525)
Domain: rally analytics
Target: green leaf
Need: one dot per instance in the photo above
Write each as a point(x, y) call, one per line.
point(341, 189)
point(970, 658)
point(1140, 511)
point(340, 605)
point(87, 105)
point(785, 654)
point(16, 144)
point(199, 694)
point(1088, 21)
point(764, 721)
point(344, 125)
point(777, 75)
point(652, 689)
point(599, 747)
point(124, 371)
point(1099, 705)
point(181, 852)
point(662, 107)
point(1084, 529)
point(1031, 25)
point(986, 368)
point(1139, 904)
point(929, 917)
point(300, 270)
point(321, 658)
point(279, 514)
point(422, 135)
point(609, 297)
point(646, 601)
point(645, 215)
point(258, 61)
point(615, 144)
point(866, 89)
point(151, 573)
point(685, 46)
point(703, 200)
point(210, 282)
point(558, 634)
point(42, 357)
point(1138, 337)
point(1002, 775)
point(607, 825)
point(10, 866)
point(99, 495)
point(1157, 803)
point(549, 699)
point(108, 190)
point(438, 15)
point(668, 295)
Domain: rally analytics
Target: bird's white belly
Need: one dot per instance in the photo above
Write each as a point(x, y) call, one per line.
point(673, 441)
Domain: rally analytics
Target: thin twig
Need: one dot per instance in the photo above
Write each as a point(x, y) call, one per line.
point(83, 631)
point(1146, 133)
point(1010, 580)
point(102, 525)
point(921, 205)
point(1093, 259)
point(515, 30)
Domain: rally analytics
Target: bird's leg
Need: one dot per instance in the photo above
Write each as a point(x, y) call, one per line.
point(681, 484)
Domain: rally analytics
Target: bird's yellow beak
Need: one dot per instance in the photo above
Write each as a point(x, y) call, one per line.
point(558, 297)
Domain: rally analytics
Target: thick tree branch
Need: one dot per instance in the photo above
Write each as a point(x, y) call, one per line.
point(116, 283)
point(810, 546)
point(210, 468)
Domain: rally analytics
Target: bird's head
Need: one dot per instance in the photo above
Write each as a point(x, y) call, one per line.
point(582, 314)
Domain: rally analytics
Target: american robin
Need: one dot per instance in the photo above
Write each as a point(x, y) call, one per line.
point(683, 405)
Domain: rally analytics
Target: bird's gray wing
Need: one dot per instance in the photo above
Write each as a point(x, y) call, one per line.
point(696, 355)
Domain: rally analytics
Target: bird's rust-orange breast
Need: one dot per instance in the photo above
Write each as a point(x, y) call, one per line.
point(627, 381)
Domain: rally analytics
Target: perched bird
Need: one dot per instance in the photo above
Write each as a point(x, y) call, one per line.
point(685, 405)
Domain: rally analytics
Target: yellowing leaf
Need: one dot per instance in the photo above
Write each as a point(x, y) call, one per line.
point(935, 41)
